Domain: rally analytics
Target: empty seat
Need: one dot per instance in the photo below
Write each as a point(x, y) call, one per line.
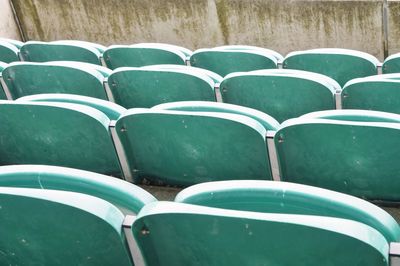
point(355, 116)
point(46, 227)
point(99, 47)
point(356, 156)
point(129, 198)
point(281, 94)
point(184, 148)
point(289, 198)
point(8, 52)
point(268, 122)
point(391, 64)
point(144, 54)
point(340, 64)
point(380, 93)
point(26, 78)
point(214, 76)
point(16, 43)
point(2, 92)
point(277, 55)
point(136, 87)
point(171, 233)
point(105, 72)
point(60, 51)
point(60, 134)
point(234, 60)
point(111, 110)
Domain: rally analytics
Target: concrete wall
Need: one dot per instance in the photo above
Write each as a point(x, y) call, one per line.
point(282, 25)
point(8, 27)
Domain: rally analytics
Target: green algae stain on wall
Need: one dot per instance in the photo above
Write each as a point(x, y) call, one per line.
point(27, 13)
point(222, 12)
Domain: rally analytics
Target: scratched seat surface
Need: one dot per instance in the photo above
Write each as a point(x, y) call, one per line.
point(135, 87)
point(184, 148)
point(34, 51)
point(138, 55)
point(380, 93)
point(46, 227)
point(26, 78)
point(340, 64)
point(235, 60)
point(289, 198)
point(8, 52)
point(268, 122)
point(354, 156)
point(128, 198)
point(281, 94)
point(60, 134)
point(111, 110)
point(213, 236)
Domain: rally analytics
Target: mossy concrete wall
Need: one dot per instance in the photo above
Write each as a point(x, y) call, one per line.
point(282, 25)
point(8, 26)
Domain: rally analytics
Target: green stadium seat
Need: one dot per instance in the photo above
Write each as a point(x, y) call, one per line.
point(111, 110)
point(170, 233)
point(340, 64)
point(144, 54)
point(391, 64)
point(60, 134)
point(279, 94)
point(8, 52)
point(214, 76)
point(379, 93)
point(136, 87)
point(99, 47)
point(355, 116)
point(181, 49)
point(277, 55)
point(289, 198)
point(26, 78)
point(34, 51)
point(342, 151)
point(129, 198)
point(16, 43)
point(234, 60)
point(185, 148)
point(268, 122)
point(102, 70)
point(46, 227)
point(2, 92)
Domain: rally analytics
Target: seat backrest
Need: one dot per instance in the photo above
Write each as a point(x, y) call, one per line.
point(214, 76)
point(105, 72)
point(380, 94)
point(268, 122)
point(289, 198)
point(391, 64)
point(60, 51)
point(185, 148)
point(8, 52)
point(277, 55)
point(99, 47)
point(354, 116)
point(170, 233)
point(136, 87)
point(46, 227)
point(16, 43)
point(136, 56)
point(61, 134)
point(281, 95)
point(234, 60)
point(181, 49)
point(128, 198)
point(340, 64)
point(2, 93)
point(353, 157)
point(26, 78)
point(112, 110)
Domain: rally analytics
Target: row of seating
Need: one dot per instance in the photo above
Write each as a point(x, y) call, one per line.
point(61, 216)
point(339, 64)
point(185, 143)
point(281, 93)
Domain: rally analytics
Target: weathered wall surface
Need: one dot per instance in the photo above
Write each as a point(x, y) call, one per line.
point(8, 27)
point(282, 25)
